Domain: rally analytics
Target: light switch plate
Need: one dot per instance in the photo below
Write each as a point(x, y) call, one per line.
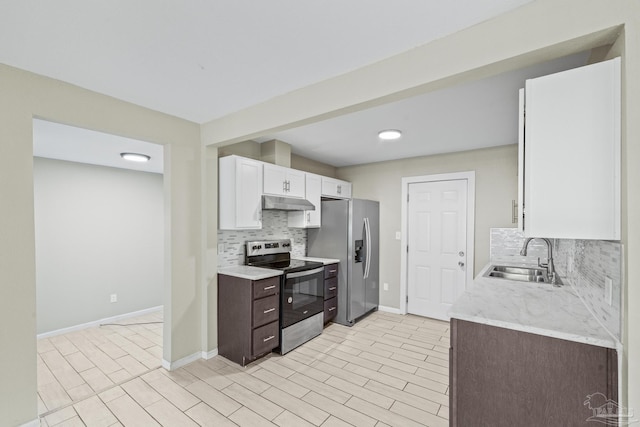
point(220, 248)
point(385, 286)
point(398, 235)
point(608, 290)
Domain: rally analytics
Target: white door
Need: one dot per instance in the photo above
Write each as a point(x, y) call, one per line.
point(437, 246)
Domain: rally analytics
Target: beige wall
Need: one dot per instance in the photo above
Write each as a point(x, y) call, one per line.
point(496, 186)
point(539, 31)
point(24, 96)
point(308, 165)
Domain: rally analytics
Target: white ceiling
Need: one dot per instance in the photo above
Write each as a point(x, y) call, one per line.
point(201, 60)
point(475, 115)
point(62, 142)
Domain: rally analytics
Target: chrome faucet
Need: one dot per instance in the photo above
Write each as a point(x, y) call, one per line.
point(551, 272)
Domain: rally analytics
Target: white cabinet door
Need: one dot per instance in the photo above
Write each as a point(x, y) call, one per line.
point(275, 179)
point(281, 181)
point(335, 188)
point(309, 219)
point(296, 183)
point(572, 153)
point(240, 193)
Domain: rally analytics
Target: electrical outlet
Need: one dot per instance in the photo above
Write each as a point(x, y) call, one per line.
point(608, 290)
point(385, 286)
point(114, 297)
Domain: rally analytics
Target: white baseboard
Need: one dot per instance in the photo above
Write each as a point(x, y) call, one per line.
point(172, 366)
point(206, 355)
point(34, 423)
point(99, 322)
point(389, 309)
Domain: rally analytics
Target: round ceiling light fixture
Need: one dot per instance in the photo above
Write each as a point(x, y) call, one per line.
point(135, 157)
point(389, 134)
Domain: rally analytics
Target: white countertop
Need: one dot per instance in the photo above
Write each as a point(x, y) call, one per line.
point(538, 308)
point(249, 272)
point(325, 261)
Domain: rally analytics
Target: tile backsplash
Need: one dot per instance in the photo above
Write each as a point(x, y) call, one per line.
point(592, 262)
point(274, 226)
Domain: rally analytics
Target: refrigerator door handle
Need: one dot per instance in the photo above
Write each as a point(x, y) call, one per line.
point(367, 261)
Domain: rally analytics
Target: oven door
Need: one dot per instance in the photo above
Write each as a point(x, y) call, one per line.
point(302, 295)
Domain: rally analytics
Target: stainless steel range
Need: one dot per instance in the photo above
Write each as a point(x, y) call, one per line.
point(301, 290)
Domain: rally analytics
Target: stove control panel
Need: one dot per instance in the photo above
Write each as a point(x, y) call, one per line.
point(266, 247)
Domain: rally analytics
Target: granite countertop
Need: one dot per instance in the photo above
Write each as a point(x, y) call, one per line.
point(538, 308)
point(325, 261)
point(249, 272)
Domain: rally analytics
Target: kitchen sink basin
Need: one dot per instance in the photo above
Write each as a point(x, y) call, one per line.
point(518, 270)
point(519, 274)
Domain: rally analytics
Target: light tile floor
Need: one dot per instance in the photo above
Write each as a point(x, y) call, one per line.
point(387, 370)
point(76, 365)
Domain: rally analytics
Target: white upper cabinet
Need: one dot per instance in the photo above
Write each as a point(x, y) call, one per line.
point(281, 181)
point(570, 154)
point(309, 219)
point(335, 188)
point(240, 193)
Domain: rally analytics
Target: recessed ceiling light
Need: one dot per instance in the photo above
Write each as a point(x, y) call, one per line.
point(135, 157)
point(389, 134)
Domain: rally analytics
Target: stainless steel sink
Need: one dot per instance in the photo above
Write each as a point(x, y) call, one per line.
point(520, 274)
point(519, 270)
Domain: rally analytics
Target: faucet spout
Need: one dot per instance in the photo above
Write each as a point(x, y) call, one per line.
point(551, 272)
point(523, 251)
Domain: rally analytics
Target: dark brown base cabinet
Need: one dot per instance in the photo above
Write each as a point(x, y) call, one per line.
point(501, 377)
point(330, 292)
point(248, 317)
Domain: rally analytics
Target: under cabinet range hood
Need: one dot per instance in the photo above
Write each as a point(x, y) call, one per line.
point(280, 203)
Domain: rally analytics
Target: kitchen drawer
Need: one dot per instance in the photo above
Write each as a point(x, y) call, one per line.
point(265, 287)
point(266, 310)
point(330, 270)
point(330, 288)
point(330, 309)
point(265, 338)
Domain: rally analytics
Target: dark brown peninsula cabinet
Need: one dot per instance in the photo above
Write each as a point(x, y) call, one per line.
point(501, 377)
point(330, 292)
point(248, 317)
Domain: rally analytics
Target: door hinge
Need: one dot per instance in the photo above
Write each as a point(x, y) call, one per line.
point(407, 248)
point(407, 298)
point(407, 197)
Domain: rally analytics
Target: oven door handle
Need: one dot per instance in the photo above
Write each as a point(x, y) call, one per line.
point(304, 273)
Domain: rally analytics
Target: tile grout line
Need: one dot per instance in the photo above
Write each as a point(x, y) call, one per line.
point(45, 414)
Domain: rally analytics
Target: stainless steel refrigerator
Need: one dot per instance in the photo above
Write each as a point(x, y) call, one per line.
point(350, 231)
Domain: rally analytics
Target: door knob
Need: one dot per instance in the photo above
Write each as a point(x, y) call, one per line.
point(461, 253)
point(461, 264)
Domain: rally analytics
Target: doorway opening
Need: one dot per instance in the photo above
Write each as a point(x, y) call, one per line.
point(100, 247)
